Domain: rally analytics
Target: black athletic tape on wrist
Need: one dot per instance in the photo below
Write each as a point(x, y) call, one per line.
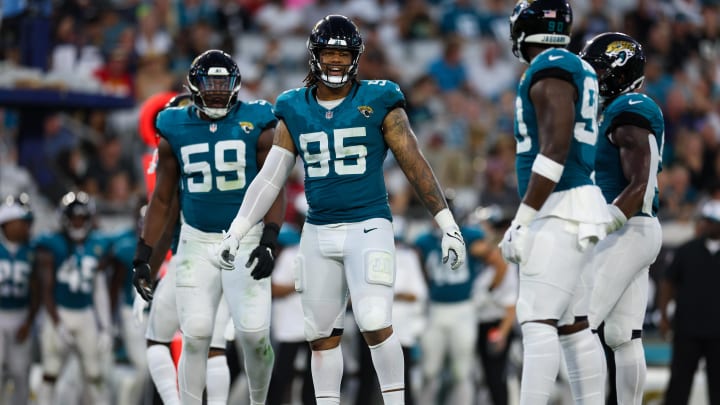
point(143, 251)
point(270, 235)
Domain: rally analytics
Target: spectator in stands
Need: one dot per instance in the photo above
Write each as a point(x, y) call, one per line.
point(691, 280)
point(460, 17)
point(449, 70)
point(104, 165)
point(416, 21)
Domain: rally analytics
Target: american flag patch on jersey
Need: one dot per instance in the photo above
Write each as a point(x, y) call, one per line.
point(549, 13)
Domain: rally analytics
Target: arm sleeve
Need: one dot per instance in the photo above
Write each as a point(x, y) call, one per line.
point(263, 190)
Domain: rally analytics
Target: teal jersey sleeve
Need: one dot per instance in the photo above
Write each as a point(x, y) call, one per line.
point(641, 111)
point(15, 273)
point(558, 63)
point(342, 149)
point(217, 159)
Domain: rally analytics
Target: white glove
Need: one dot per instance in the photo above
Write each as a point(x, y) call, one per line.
point(105, 341)
point(138, 309)
point(618, 221)
point(514, 243)
point(227, 251)
point(452, 240)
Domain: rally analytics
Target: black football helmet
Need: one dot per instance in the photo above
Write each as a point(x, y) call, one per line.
point(214, 82)
point(77, 215)
point(619, 62)
point(334, 32)
point(541, 22)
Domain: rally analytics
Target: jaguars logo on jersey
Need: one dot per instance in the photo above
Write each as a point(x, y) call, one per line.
point(246, 126)
point(623, 50)
point(365, 110)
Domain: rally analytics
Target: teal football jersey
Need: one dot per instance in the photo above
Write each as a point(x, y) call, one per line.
point(629, 109)
point(15, 270)
point(559, 63)
point(75, 267)
point(445, 284)
point(217, 159)
point(342, 149)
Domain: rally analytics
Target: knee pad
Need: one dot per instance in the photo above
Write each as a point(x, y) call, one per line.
point(616, 335)
point(197, 327)
point(371, 314)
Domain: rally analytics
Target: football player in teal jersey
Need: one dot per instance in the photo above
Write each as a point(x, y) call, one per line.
point(562, 213)
point(629, 158)
point(71, 264)
point(19, 296)
point(451, 327)
point(209, 152)
point(342, 128)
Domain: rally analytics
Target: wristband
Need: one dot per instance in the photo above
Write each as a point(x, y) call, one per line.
point(143, 251)
point(445, 220)
point(270, 235)
point(547, 168)
point(525, 214)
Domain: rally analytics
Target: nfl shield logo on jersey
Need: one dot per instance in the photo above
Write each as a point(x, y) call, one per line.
point(213, 127)
point(328, 115)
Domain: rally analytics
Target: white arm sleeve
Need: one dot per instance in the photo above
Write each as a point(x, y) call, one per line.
point(263, 190)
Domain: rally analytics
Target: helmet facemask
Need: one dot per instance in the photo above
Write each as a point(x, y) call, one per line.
point(216, 92)
point(334, 75)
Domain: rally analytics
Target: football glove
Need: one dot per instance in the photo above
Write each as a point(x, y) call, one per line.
point(227, 251)
point(452, 242)
point(142, 278)
point(618, 219)
point(514, 242)
point(263, 256)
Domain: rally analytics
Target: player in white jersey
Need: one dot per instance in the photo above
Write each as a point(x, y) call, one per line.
point(19, 296)
point(628, 161)
point(342, 128)
point(562, 213)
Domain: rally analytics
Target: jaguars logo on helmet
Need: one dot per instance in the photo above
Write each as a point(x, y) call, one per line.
point(619, 61)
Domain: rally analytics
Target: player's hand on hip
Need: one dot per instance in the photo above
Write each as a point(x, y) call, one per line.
point(227, 251)
point(263, 256)
point(142, 279)
point(618, 219)
point(453, 244)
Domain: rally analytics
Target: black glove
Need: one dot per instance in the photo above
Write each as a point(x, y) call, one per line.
point(142, 279)
point(264, 253)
